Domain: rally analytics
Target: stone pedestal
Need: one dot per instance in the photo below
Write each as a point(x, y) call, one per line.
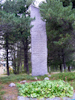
point(38, 44)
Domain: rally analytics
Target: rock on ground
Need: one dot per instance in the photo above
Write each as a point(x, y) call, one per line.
point(46, 78)
point(35, 78)
point(23, 81)
point(49, 75)
point(11, 85)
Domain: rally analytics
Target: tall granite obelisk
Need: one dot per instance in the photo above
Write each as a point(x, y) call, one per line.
point(38, 44)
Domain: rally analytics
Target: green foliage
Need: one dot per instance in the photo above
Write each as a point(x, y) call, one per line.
point(16, 6)
point(60, 28)
point(2, 92)
point(72, 83)
point(23, 27)
point(1, 98)
point(42, 77)
point(1, 87)
point(66, 76)
point(46, 89)
point(54, 10)
point(15, 78)
point(15, 22)
point(59, 20)
point(28, 2)
point(73, 63)
point(67, 3)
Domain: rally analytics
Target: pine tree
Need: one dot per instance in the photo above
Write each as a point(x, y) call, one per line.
point(59, 22)
point(7, 32)
point(21, 23)
point(67, 3)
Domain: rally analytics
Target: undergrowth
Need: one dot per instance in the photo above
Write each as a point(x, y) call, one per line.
point(67, 76)
point(46, 89)
point(16, 78)
point(1, 92)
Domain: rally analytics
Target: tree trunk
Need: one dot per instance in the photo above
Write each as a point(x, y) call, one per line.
point(7, 61)
point(64, 65)
point(60, 68)
point(15, 67)
point(26, 55)
point(49, 69)
point(14, 63)
point(63, 60)
point(69, 68)
point(59, 52)
point(20, 61)
point(7, 55)
point(56, 68)
point(18, 68)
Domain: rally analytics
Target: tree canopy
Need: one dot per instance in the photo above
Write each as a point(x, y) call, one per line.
point(15, 23)
point(60, 25)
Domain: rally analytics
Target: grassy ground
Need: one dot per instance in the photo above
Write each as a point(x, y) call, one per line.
point(1, 91)
point(16, 78)
point(67, 76)
point(4, 81)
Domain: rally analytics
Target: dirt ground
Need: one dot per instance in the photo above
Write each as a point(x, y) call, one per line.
point(11, 93)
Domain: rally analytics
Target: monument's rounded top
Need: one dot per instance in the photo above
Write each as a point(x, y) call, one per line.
point(37, 2)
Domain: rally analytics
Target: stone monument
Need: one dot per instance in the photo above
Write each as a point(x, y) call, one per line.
point(38, 44)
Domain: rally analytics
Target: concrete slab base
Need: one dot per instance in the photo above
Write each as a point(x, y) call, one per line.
point(56, 98)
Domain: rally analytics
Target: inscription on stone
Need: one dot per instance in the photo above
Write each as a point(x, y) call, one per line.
point(38, 44)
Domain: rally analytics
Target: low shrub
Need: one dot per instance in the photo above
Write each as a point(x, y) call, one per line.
point(46, 89)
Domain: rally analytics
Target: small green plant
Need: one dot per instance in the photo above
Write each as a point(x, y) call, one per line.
point(1, 87)
point(19, 77)
point(46, 89)
point(67, 76)
point(0, 97)
point(15, 78)
point(2, 92)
